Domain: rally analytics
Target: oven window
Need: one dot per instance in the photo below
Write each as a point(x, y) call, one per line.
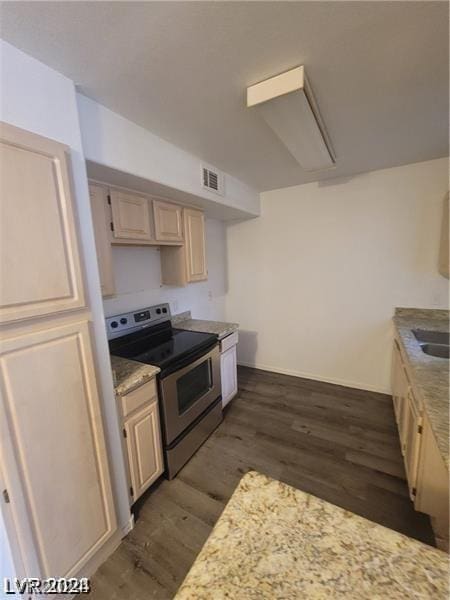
point(193, 385)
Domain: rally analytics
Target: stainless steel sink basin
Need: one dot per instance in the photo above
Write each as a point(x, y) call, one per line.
point(439, 350)
point(432, 337)
point(433, 343)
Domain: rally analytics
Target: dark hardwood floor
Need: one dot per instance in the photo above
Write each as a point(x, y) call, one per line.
point(337, 443)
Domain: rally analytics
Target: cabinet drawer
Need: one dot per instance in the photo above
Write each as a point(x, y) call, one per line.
point(145, 393)
point(229, 341)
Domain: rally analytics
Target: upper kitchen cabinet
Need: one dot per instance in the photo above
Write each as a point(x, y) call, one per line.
point(195, 246)
point(131, 216)
point(40, 262)
point(186, 264)
point(444, 250)
point(101, 220)
point(168, 221)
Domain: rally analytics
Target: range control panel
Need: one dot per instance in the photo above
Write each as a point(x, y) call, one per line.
point(133, 321)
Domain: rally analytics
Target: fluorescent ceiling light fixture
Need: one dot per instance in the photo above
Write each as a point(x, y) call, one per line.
point(287, 105)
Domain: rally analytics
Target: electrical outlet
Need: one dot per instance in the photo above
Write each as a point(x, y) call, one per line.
point(175, 306)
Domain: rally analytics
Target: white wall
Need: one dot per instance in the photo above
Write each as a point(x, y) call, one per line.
point(37, 98)
point(137, 273)
point(314, 281)
point(114, 141)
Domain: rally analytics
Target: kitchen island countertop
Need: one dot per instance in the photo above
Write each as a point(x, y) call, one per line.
point(273, 541)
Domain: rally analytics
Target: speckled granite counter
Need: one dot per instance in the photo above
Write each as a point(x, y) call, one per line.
point(273, 541)
point(184, 321)
point(130, 374)
point(429, 375)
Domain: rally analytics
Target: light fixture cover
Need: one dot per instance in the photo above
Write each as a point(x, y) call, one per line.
point(287, 105)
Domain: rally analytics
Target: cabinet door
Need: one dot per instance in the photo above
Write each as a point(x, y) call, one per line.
point(54, 457)
point(400, 388)
point(144, 449)
point(444, 267)
point(195, 246)
point(228, 373)
point(412, 437)
point(432, 485)
point(168, 221)
point(100, 219)
point(39, 256)
point(131, 216)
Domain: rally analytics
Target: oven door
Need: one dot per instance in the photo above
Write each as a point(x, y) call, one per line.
point(188, 392)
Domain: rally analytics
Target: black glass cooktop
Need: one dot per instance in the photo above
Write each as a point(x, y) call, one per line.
point(163, 346)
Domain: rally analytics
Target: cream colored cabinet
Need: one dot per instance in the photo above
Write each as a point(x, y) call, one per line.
point(142, 435)
point(412, 426)
point(54, 457)
point(101, 220)
point(432, 486)
point(186, 264)
point(400, 389)
point(408, 417)
point(144, 448)
point(130, 216)
point(228, 374)
point(444, 258)
point(39, 259)
point(168, 221)
point(426, 472)
point(195, 245)
point(59, 510)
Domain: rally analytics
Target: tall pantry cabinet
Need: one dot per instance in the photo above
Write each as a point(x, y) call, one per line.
point(56, 492)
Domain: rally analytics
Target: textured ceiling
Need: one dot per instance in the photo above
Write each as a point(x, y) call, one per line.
point(379, 71)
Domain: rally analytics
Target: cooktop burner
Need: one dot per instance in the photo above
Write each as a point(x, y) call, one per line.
point(155, 341)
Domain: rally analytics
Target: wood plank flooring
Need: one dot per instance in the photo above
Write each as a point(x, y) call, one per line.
point(337, 443)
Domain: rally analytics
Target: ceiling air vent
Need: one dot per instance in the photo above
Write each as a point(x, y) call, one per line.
point(212, 180)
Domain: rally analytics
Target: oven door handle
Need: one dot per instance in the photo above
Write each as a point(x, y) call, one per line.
point(191, 364)
point(188, 362)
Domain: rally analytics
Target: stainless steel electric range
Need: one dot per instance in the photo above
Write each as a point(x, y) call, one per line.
point(189, 381)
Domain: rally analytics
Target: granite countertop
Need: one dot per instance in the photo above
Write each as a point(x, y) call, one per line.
point(429, 375)
point(219, 328)
point(130, 374)
point(273, 541)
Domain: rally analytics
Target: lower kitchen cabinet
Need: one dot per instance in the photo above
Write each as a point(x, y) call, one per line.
point(426, 472)
point(432, 484)
point(228, 367)
point(412, 429)
point(409, 418)
point(142, 433)
point(444, 268)
point(400, 385)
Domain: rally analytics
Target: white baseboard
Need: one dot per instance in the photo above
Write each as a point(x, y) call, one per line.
point(100, 557)
point(128, 525)
point(343, 382)
point(107, 549)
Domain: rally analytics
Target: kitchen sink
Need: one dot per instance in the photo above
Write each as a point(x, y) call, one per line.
point(434, 343)
point(439, 350)
point(432, 337)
